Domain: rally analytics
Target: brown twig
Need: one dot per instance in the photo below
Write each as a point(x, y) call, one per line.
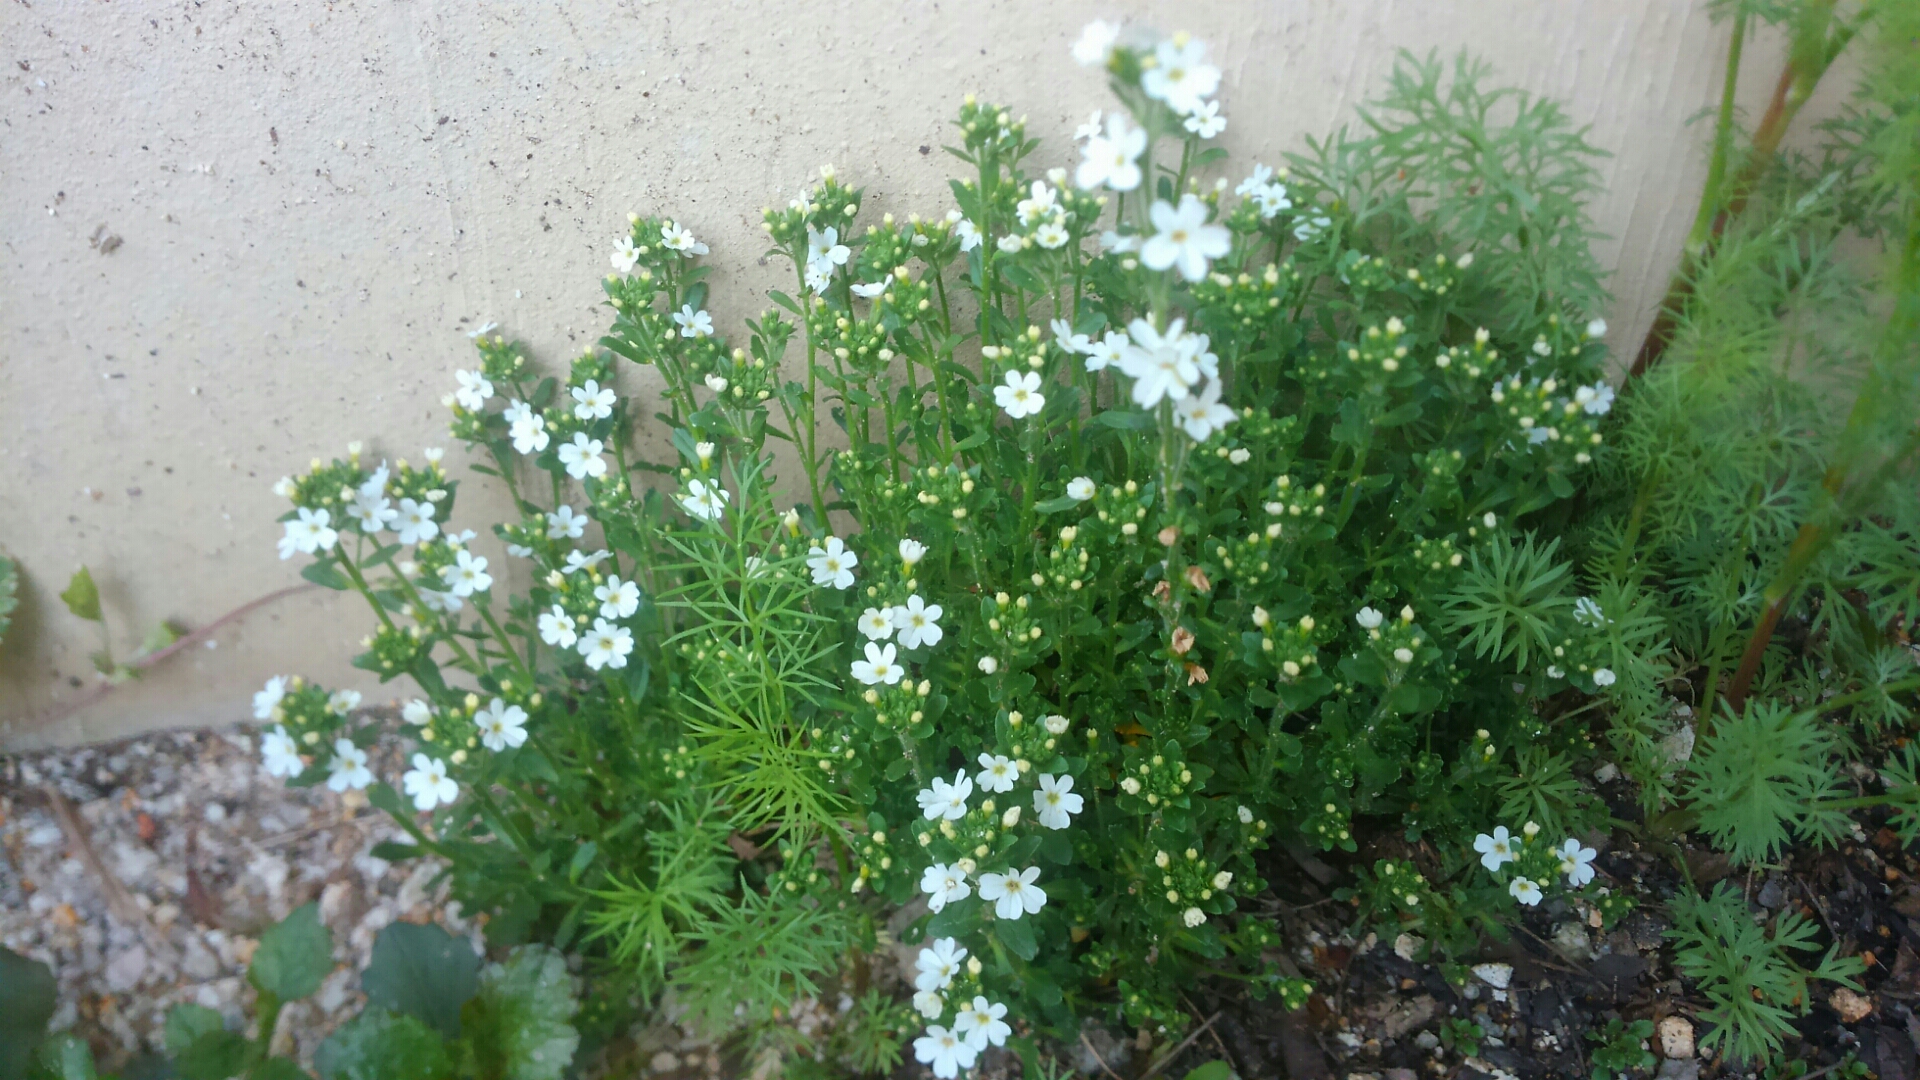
point(1178, 1050)
point(119, 901)
point(1102, 1062)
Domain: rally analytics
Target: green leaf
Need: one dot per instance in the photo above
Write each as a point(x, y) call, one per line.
point(1212, 1070)
point(186, 1023)
point(422, 972)
point(83, 596)
point(1054, 506)
point(379, 1045)
point(64, 1057)
point(1017, 935)
point(324, 575)
point(215, 1055)
point(519, 1018)
point(393, 852)
point(294, 955)
point(28, 997)
point(1125, 420)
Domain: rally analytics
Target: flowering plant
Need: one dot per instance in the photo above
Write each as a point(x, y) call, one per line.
point(1138, 512)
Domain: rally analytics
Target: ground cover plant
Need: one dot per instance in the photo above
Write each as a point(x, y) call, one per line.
point(1034, 563)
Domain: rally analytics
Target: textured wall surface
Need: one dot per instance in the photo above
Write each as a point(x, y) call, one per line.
point(313, 202)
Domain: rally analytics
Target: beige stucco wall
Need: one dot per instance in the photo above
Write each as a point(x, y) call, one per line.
point(316, 200)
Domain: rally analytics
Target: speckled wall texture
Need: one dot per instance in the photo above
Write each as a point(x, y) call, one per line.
point(238, 235)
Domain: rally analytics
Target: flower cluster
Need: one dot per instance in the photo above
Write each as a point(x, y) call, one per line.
point(1529, 866)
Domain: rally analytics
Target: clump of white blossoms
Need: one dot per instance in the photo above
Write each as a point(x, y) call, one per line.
point(1529, 865)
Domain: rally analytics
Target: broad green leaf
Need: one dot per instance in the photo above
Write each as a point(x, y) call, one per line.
point(214, 1055)
point(64, 1057)
point(1017, 935)
point(1212, 1070)
point(28, 997)
point(519, 1018)
point(422, 972)
point(82, 595)
point(324, 575)
point(393, 852)
point(380, 1045)
point(186, 1023)
point(294, 955)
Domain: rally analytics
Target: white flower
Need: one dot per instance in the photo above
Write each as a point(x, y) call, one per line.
point(997, 774)
point(1020, 395)
point(1495, 850)
point(1206, 121)
point(1011, 244)
point(1095, 43)
point(981, 1023)
point(988, 665)
point(937, 964)
point(1181, 77)
point(1055, 802)
point(592, 401)
point(501, 725)
point(308, 533)
point(1310, 227)
point(429, 784)
point(818, 277)
point(606, 645)
point(556, 628)
point(1259, 178)
point(825, 251)
point(582, 457)
point(443, 602)
point(280, 754)
point(1597, 399)
point(911, 552)
point(1555, 671)
point(1160, 365)
point(704, 500)
point(1245, 815)
point(832, 565)
point(475, 390)
point(947, 1052)
point(529, 434)
point(1057, 724)
point(1107, 351)
point(618, 599)
point(929, 1003)
point(943, 800)
point(285, 487)
point(415, 522)
point(943, 885)
point(1080, 488)
point(580, 561)
point(969, 234)
point(343, 702)
point(467, 575)
point(520, 551)
point(348, 767)
point(417, 712)
point(1051, 236)
point(483, 329)
point(675, 238)
point(1119, 244)
point(1202, 414)
point(1604, 677)
point(1089, 129)
point(1524, 890)
point(879, 666)
point(1586, 611)
point(516, 411)
point(1184, 238)
point(1038, 205)
point(371, 510)
point(1014, 893)
point(876, 623)
point(1112, 158)
point(693, 324)
point(1368, 618)
point(1576, 861)
point(1130, 785)
point(566, 523)
point(918, 623)
point(1069, 341)
point(625, 256)
point(1272, 199)
point(268, 697)
point(1597, 328)
point(717, 383)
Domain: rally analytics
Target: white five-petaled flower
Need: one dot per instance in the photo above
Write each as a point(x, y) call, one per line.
point(1206, 121)
point(1495, 850)
point(1576, 861)
point(1604, 677)
point(1180, 76)
point(693, 324)
point(825, 251)
point(280, 754)
point(370, 509)
point(556, 628)
point(577, 560)
point(348, 767)
point(1089, 129)
point(311, 531)
point(1108, 351)
point(1014, 893)
point(1095, 43)
point(945, 1051)
point(943, 885)
point(1161, 365)
point(943, 800)
point(1055, 803)
point(529, 433)
point(911, 552)
point(1597, 399)
point(592, 401)
point(1311, 226)
point(606, 645)
point(832, 565)
point(705, 501)
point(1069, 341)
point(343, 702)
point(618, 599)
point(997, 773)
point(1080, 488)
point(1193, 917)
point(876, 623)
point(929, 1003)
point(937, 964)
point(1183, 238)
point(582, 457)
point(429, 783)
point(566, 523)
point(1039, 205)
point(879, 666)
point(675, 238)
point(981, 1023)
point(475, 390)
point(1112, 158)
point(1368, 618)
point(1011, 244)
point(625, 256)
point(918, 623)
point(1524, 890)
point(501, 725)
point(1202, 414)
point(467, 575)
point(969, 234)
point(1051, 236)
point(871, 289)
point(415, 522)
point(268, 697)
point(1020, 395)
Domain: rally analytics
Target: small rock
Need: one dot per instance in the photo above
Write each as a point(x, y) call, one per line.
point(197, 961)
point(1572, 941)
point(1426, 1040)
point(1676, 1069)
point(1407, 946)
point(1678, 747)
point(126, 969)
point(1676, 1037)
point(1498, 976)
point(1607, 773)
point(1772, 896)
point(1851, 1006)
point(664, 1062)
